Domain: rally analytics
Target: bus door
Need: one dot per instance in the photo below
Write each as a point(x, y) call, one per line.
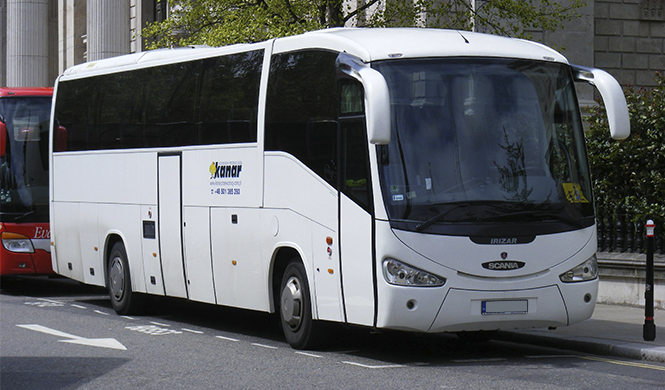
point(355, 226)
point(169, 208)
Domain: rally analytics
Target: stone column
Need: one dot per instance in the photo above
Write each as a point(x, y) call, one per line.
point(108, 28)
point(3, 43)
point(27, 43)
point(71, 33)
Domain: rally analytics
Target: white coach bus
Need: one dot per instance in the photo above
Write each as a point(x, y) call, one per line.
point(410, 179)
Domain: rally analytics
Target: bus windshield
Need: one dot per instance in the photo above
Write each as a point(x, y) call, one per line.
point(484, 141)
point(24, 165)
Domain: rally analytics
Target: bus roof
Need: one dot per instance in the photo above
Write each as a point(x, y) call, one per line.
point(26, 91)
point(376, 44)
point(368, 44)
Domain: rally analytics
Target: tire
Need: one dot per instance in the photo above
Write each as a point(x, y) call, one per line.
point(295, 307)
point(123, 299)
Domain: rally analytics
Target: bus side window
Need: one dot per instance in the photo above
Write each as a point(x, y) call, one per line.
point(354, 154)
point(301, 109)
point(229, 98)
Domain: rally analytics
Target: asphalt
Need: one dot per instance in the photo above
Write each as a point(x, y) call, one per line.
point(612, 331)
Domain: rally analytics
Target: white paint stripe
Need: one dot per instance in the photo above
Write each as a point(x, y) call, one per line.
point(373, 367)
point(128, 318)
point(79, 306)
point(192, 331)
point(159, 323)
point(263, 346)
point(53, 332)
point(102, 313)
point(226, 338)
point(73, 339)
point(308, 354)
point(49, 300)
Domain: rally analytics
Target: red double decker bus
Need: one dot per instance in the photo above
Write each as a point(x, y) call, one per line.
point(24, 181)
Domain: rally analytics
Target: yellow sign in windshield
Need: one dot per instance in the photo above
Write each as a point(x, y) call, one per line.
point(574, 193)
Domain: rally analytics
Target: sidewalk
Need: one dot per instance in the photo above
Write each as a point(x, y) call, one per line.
point(612, 331)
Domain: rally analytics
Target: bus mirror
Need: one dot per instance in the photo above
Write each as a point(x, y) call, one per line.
point(60, 139)
point(613, 97)
point(377, 97)
point(3, 138)
point(377, 106)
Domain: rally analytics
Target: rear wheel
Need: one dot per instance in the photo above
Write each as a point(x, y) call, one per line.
point(300, 330)
point(123, 299)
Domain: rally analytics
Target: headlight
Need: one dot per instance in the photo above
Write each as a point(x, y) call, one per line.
point(15, 242)
point(396, 272)
point(583, 272)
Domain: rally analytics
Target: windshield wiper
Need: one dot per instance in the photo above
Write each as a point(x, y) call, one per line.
point(24, 215)
point(554, 214)
point(429, 222)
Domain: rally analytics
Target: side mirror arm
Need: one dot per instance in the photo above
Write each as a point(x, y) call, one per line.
point(613, 97)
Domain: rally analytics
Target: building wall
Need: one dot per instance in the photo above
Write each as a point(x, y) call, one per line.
point(39, 39)
point(629, 39)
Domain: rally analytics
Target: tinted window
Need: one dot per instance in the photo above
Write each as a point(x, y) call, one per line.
point(211, 101)
point(302, 108)
point(229, 98)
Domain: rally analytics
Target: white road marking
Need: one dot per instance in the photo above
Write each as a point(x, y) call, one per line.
point(152, 330)
point(308, 354)
point(192, 331)
point(263, 346)
point(226, 338)
point(79, 306)
point(102, 343)
point(374, 367)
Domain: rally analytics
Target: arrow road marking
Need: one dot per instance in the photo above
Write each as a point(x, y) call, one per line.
point(103, 343)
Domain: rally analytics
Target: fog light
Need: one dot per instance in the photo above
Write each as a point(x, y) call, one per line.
point(411, 304)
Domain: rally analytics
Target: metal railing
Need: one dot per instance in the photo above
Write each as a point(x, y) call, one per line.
point(620, 232)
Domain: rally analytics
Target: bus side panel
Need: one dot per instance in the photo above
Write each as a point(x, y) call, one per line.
point(326, 274)
point(92, 251)
point(357, 275)
point(306, 214)
point(198, 257)
point(224, 177)
point(152, 268)
point(240, 275)
point(68, 241)
point(124, 221)
point(120, 178)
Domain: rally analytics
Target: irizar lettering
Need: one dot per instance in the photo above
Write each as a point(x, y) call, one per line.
point(498, 241)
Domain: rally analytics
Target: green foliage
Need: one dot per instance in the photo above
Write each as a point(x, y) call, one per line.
point(224, 22)
point(629, 175)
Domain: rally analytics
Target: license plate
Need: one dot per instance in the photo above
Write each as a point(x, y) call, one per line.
point(505, 307)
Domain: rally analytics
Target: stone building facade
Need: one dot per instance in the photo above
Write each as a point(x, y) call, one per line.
point(41, 38)
point(629, 39)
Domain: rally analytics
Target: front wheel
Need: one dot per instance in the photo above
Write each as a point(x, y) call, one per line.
point(123, 299)
point(300, 330)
